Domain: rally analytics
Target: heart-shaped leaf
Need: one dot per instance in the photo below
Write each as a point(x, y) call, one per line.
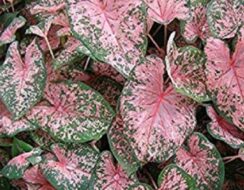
point(108, 176)
point(186, 69)
point(225, 79)
point(113, 31)
point(17, 166)
point(174, 178)
point(77, 113)
point(22, 82)
point(225, 17)
point(149, 108)
point(165, 11)
point(202, 161)
point(73, 168)
point(8, 35)
point(220, 129)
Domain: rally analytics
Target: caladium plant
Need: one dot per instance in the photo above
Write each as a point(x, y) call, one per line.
point(121, 95)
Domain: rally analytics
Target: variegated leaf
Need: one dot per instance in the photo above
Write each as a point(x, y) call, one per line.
point(225, 79)
point(73, 168)
point(42, 138)
point(165, 11)
point(149, 108)
point(8, 35)
point(22, 81)
point(113, 31)
point(108, 176)
point(17, 166)
point(202, 161)
point(9, 127)
point(220, 129)
point(47, 7)
point(225, 17)
point(186, 69)
point(197, 26)
point(121, 147)
point(174, 178)
point(140, 186)
point(76, 113)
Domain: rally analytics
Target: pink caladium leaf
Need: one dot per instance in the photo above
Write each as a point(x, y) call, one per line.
point(197, 26)
point(8, 35)
point(174, 178)
point(186, 69)
point(149, 108)
point(202, 161)
point(48, 7)
point(73, 167)
point(108, 175)
point(34, 176)
point(121, 147)
point(8, 127)
point(225, 17)
point(225, 80)
point(76, 113)
point(165, 11)
point(16, 167)
point(22, 81)
point(119, 38)
point(220, 129)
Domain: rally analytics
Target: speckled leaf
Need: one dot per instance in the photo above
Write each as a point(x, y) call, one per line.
point(113, 31)
point(77, 113)
point(156, 118)
point(197, 26)
point(48, 7)
point(35, 178)
point(220, 129)
point(108, 176)
point(225, 80)
point(8, 127)
point(186, 69)
point(140, 186)
point(8, 35)
point(165, 11)
point(42, 138)
point(121, 148)
point(73, 168)
point(17, 166)
point(225, 17)
point(202, 161)
point(174, 178)
point(22, 81)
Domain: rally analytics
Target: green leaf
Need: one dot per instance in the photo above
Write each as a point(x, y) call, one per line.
point(19, 147)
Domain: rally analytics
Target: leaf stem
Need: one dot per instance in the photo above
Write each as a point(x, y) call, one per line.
point(157, 30)
point(165, 36)
point(155, 44)
point(151, 179)
point(49, 47)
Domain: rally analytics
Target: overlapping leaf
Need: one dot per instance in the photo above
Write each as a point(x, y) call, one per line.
point(140, 186)
point(202, 161)
point(113, 31)
point(165, 11)
point(76, 113)
point(175, 178)
point(225, 79)
point(186, 69)
point(225, 17)
point(156, 118)
point(220, 129)
point(22, 81)
point(73, 168)
point(8, 35)
point(108, 176)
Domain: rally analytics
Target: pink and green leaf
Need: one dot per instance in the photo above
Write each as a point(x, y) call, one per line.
point(225, 17)
point(8, 35)
point(113, 32)
point(186, 69)
point(76, 113)
point(225, 81)
point(222, 130)
point(22, 81)
point(174, 178)
point(72, 169)
point(165, 11)
point(201, 160)
point(108, 175)
point(149, 108)
point(140, 186)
